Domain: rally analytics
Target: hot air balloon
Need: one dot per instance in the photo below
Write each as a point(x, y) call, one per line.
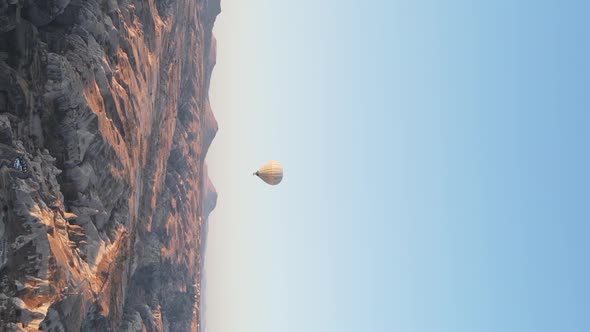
point(271, 173)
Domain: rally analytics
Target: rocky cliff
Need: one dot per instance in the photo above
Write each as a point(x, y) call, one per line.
point(209, 194)
point(106, 102)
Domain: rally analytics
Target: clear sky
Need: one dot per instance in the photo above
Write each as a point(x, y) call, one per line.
point(436, 167)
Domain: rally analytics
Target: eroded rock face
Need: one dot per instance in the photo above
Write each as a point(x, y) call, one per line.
point(108, 103)
point(210, 194)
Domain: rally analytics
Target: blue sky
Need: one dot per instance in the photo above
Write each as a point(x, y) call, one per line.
point(436, 167)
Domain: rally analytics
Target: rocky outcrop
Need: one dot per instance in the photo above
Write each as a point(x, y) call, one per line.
point(212, 8)
point(210, 200)
point(108, 103)
point(210, 126)
point(211, 59)
point(42, 12)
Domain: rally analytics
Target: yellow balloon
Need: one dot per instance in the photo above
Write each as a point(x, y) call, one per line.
point(271, 173)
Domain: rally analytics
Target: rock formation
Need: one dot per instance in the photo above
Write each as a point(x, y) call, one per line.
point(210, 195)
point(107, 101)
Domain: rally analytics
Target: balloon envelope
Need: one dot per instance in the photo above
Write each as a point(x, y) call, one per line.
point(271, 173)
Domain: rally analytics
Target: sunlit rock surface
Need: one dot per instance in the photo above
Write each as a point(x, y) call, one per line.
point(108, 103)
